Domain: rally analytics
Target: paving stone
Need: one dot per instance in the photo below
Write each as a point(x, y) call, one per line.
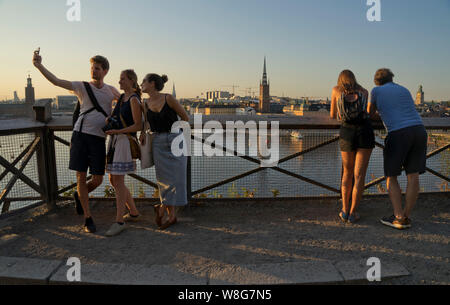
point(356, 270)
point(313, 272)
point(18, 270)
point(122, 274)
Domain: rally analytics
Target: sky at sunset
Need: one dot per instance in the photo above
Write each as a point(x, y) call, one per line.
point(208, 44)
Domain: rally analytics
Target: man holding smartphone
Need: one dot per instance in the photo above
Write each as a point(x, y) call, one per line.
point(87, 147)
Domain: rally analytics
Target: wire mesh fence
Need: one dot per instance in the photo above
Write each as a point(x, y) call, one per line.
point(19, 177)
point(309, 166)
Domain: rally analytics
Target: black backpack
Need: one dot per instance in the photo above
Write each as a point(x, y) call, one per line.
point(77, 114)
point(353, 112)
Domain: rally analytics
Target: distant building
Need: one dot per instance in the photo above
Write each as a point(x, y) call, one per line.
point(29, 92)
point(264, 92)
point(66, 102)
point(420, 97)
point(13, 110)
point(313, 110)
point(276, 108)
point(197, 109)
point(221, 109)
point(217, 95)
point(16, 97)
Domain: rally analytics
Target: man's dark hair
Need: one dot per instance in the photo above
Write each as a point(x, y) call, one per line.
point(98, 59)
point(383, 76)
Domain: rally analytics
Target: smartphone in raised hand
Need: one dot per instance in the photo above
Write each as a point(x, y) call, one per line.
point(36, 57)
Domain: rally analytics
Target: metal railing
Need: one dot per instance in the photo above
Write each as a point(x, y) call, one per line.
point(34, 165)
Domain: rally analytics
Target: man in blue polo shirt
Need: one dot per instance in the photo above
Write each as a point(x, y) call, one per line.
point(405, 144)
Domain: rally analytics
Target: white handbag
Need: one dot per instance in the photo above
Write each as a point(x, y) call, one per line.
point(146, 149)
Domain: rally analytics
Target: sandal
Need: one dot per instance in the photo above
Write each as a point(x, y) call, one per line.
point(158, 218)
point(353, 218)
point(168, 224)
point(343, 216)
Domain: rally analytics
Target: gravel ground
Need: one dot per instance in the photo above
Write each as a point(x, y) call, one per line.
point(222, 233)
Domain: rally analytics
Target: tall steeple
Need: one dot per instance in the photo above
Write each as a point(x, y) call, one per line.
point(29, 91)
point(420, 96)
point(174, 93)
point(264, 94)
point(264, 78)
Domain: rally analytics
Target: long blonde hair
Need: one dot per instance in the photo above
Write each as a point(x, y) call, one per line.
point(347, 83)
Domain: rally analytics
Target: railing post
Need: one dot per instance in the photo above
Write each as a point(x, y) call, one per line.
point(46, 162)
point(189, 179)
point(46, 157)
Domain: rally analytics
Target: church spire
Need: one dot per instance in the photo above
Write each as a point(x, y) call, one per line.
point(174, 93)
point(264, 78)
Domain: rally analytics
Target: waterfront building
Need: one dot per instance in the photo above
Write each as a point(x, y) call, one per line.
point(305, 110)
point(12, 110)
point(221, 109)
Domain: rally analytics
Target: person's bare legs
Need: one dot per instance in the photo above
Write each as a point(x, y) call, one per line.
point(348, 163)
point(361, 163)
point(412, 192)
point(84, 189)
point(130, 204)
point(395, 194)
point(118, 183)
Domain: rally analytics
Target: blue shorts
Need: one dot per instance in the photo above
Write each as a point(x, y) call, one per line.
point(87, 151)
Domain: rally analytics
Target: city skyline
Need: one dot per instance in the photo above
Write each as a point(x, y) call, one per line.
point(203, 45)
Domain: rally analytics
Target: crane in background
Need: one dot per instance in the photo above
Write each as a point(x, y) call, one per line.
point(231, 86)
point(251, 93)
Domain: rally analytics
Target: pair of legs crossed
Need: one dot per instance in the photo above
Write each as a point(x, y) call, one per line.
point(355, 165)
point(123, 197)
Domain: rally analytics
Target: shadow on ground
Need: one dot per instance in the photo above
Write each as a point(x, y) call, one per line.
point(217, 235)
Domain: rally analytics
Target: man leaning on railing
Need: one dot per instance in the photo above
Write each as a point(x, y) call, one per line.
point(405, 145)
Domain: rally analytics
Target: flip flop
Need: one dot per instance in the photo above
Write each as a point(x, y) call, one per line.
point(352, 218)
point(343, 216)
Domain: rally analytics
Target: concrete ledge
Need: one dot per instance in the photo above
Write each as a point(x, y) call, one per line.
point(20, 271)
point(121, 274)
point(24, 271)
point(314, 272)
point(356, 270)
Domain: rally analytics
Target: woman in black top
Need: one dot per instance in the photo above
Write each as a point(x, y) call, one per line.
point(128, 117)
point(163, 111)
point(349, 104)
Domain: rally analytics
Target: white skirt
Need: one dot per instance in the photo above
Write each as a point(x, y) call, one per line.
point(122, 163)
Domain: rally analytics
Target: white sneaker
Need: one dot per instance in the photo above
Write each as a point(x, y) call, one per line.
point(115, 229)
